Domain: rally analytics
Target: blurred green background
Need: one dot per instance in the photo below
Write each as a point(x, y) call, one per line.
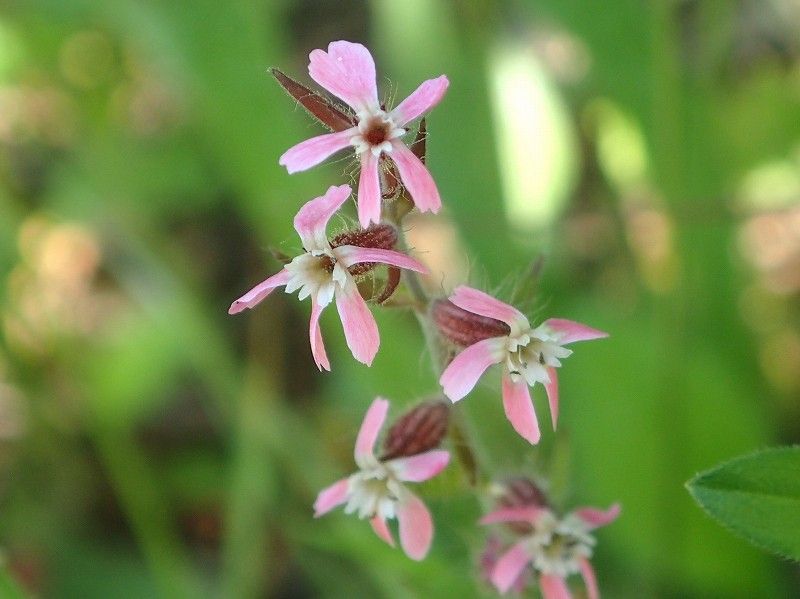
point(151, 445)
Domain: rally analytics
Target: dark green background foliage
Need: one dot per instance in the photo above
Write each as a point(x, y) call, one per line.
point(152, 445)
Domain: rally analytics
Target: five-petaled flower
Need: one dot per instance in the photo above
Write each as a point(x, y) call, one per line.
point(555, 548)
point(347, 70)
point(529, 355)
point(377, 492)
point(322, 273)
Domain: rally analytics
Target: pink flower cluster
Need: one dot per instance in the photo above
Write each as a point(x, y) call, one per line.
point(482, 330)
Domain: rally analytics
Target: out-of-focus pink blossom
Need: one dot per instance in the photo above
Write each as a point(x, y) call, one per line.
point(377, 491)
point(529, 355)
point(321, 273)
point(347, 70)
point(488, 560)
point(555, 549)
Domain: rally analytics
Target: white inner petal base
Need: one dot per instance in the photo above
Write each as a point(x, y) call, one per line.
point(557, 546)
point(374, 491)
point(316, 273)
point(376, 130)
point(532, 352)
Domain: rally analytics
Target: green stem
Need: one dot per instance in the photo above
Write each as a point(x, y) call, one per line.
point(248, 557)
point(465, 452)
point(147, 512)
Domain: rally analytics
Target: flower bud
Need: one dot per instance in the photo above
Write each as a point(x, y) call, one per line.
point(382, 236)
point(465, 328)
point(419, 430)
point(521, 492)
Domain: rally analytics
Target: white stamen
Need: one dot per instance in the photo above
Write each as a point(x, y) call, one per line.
point(384, 147)
point(557, 546)
point(373, 491)
point(531, 353)
point(310, 275)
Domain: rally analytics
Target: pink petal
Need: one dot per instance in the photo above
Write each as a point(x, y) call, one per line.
point(416, 178)
point(573, 331)
point(589, 579)
point(554, 587)
point(595, 518)
point(330, 497)
point(416, 527)
point(312, 151)
point(425, 97)
point(369, 191)
point(347, 71)
point(420, 467)
point(463, 372)
point(519, 409)
point(528, 513)
point(478, 302)
point(380, 528)
point(370, 427)
point(312, 219)
point(259, 292)
point(552, 394)
point(351, 254)
point(315, 335)
point(360, 328)
point(510, 567)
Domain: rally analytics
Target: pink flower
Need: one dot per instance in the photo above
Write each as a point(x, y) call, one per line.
point(348, 71)
point(529, 355)
point(377, 492)
point(556, 548)
point(322, 274)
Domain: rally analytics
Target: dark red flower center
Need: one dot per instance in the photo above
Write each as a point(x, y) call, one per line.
point(326, 262)
point(377, 132)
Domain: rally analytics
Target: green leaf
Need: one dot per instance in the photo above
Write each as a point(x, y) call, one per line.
point(756, 496)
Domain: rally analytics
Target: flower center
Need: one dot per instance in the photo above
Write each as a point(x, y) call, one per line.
point(316, 273)
point(376, 130)
point(328, 267)
point(373, 492)
point(326, 263)
point(531, 353)
point(557, 546)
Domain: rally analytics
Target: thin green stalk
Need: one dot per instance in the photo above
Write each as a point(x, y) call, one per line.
point(246, 550)
point(147, 512)
point(464, 450)
point(247, 556)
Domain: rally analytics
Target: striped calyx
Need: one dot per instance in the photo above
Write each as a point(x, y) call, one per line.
point(419, 430)
point(465, 328)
